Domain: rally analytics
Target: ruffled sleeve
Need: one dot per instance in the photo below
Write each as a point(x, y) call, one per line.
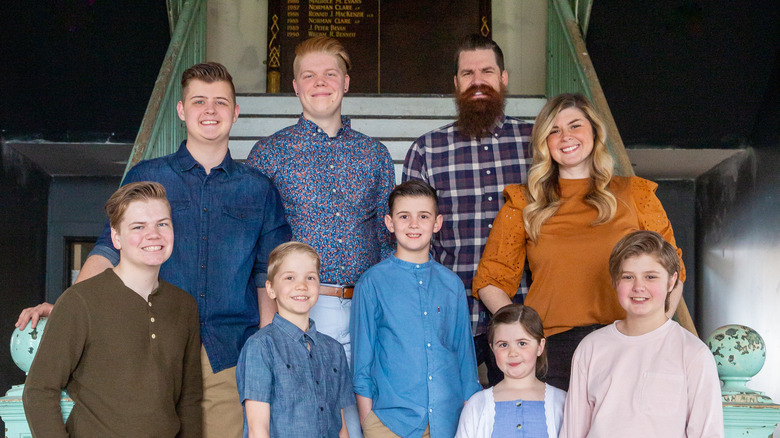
point(652, 216)
point(503, 259)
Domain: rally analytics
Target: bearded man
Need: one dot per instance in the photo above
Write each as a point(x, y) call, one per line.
point(469, 163)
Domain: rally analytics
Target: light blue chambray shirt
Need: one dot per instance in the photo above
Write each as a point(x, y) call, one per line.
point(412, 347)
point(307, 389)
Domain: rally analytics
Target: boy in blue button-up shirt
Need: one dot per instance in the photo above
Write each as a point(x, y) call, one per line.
point(413, 355)
point(292, 380)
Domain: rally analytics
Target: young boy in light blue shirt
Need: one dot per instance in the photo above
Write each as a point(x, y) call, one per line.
point(413, 355)
point(293, 381)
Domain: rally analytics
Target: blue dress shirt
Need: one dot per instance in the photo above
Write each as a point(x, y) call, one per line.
point(225, 225)
point(304, 376)
point(335, 193)
point(413, 353)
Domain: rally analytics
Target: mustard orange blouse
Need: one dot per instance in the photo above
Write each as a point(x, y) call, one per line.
point(571, 286)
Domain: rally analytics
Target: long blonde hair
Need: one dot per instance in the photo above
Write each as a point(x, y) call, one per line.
point(543, 189)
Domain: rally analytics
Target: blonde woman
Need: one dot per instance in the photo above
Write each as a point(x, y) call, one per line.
point(566, 220)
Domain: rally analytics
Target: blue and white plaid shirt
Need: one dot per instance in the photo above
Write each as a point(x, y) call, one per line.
point(469, 176)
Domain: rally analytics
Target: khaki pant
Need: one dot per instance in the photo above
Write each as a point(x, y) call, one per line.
point(223, 415)
point(374, 428)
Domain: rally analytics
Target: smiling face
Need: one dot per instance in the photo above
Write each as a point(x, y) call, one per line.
point(571, 143)
point(145, 235)
point(516, 351)
point(320, 84)
point(642, 288)
point(413, 221)
point(295, 286)
point(479, 67)
point(208, 110)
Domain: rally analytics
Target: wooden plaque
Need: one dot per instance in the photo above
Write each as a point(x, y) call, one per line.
point(396, 46)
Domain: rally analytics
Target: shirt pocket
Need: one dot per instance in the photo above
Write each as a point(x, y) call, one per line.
point(661, 393)
point(244, 214)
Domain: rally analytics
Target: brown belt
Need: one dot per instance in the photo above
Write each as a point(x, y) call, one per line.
point(334, 290)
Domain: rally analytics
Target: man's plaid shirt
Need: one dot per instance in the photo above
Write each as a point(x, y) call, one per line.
point(469, 176)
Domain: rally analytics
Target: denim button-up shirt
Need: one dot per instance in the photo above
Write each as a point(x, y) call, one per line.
point(225, 225)
point(412, 349)
point(304, 376)
point(335, 192)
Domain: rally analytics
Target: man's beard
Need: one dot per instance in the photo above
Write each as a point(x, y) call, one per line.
point(476, 117)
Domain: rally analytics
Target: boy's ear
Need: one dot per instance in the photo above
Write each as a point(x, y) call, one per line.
point(673, 281)
point(438, 223)
point(180, 110)
point(269, 290)
point(389, 223)
point(115, 238)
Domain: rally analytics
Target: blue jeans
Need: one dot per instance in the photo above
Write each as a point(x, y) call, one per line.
point(331, 315)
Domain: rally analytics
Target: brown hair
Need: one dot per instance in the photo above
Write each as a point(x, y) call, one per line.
point(645, 243)
point(531, 322)
point(543, 188)
point(413, 188)
point(322, 44)
point(117, 204)
point(277, 256)
point(208, 72)
point(476, 41)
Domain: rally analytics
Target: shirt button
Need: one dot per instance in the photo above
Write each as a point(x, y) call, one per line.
point(519, 426)
point(334, 190)
point(202, 295)
point(488, 172)
point(332, 166)
point(518, 404)
point(152, 319)
point(430, 377)
point(150, 304)
point(486, 148)
point(430, 410)
point(154, 336)
point(425, 313)
point(202, 266)
point(429, 345)
point(490, 225)
point(417, 266)
point(490, 198)
point(205, 209)
point(420, 281)
point(338, 214)
point(339, 241)
point(203, 238)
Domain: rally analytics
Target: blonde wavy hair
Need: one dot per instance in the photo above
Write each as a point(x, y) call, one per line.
point(543, 189)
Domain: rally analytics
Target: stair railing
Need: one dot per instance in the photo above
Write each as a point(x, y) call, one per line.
point(161, 129)
point(570, 70)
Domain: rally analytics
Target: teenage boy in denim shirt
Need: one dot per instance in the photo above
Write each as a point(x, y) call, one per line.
point(228, 218)
point(413, 354)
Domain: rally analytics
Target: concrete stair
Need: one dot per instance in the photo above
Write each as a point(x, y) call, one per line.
point(395, 120)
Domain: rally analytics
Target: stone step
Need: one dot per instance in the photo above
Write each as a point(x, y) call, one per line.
point(395, 120)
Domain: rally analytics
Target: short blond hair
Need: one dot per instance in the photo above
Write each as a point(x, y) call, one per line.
point(322, 44)
point(277, 256)
point(117, 204)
